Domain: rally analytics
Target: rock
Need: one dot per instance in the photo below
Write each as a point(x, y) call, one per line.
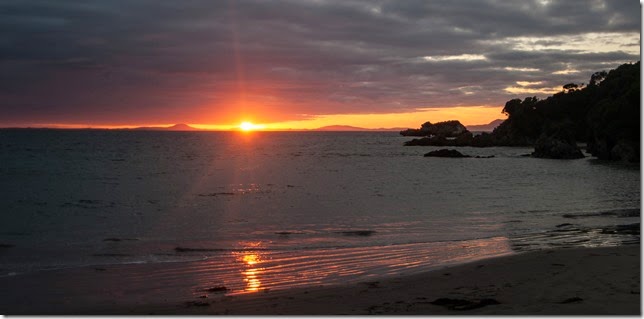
point(445, 153)
point(425, 141)
point(449, 128)
point(571, 300)
point(446, 129)
point(624, 151)
point(358, 232)
point(115, 239)
point(556, 148)
point(464, 139)
point(217, 289)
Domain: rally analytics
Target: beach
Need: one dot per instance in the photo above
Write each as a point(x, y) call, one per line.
point(579, 281)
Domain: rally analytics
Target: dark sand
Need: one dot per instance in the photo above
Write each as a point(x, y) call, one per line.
point(593, 281)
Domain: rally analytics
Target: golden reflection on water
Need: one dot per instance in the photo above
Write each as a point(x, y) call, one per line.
point(252, 282)
point(261, 270)
point(251, 273)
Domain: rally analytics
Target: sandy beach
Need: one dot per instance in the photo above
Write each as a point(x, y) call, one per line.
point(587, 281)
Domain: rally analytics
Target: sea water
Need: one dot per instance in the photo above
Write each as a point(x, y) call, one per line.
point(308, 207)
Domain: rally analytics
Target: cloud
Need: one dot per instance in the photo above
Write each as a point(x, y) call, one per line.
point(566, 71)
point(213, 62)
point(460, 57)
point(531, 88)
point(591, 42)
point(509, 68)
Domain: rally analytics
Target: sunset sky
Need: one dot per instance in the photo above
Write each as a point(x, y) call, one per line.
point(298, 63)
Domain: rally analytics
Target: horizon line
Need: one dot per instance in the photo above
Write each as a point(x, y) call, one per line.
point(196, 127)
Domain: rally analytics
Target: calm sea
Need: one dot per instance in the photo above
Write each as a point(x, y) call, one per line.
point(281, 209)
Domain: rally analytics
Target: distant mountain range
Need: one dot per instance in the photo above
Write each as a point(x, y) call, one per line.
point(485, 127)
point(346, 128)
point(176, 127)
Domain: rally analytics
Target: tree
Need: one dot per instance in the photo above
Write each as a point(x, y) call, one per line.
point(597, 77)
point(511, 107)
point(570, 87)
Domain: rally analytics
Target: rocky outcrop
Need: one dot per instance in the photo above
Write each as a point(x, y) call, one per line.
point(606, 149)
point(445, 129)
point(605, 114)
point(445, 153)
point(463, 139)
point(556, 148)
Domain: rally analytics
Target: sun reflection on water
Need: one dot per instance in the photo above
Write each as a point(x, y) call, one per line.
point(250, 259)
point(252, 282)
point(251, 273)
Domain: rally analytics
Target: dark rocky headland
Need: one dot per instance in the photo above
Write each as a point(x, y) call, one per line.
point(604, 114)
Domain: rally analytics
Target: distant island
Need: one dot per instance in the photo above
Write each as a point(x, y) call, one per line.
point(604, 114)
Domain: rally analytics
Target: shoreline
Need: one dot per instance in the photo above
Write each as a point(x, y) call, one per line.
point(581, 281)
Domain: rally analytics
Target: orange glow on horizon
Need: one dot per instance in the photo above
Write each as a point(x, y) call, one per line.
point(468, 115)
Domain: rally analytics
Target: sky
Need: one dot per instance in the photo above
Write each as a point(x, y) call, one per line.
point(298, 63)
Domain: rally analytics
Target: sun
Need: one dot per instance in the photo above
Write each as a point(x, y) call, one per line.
point(248, 126)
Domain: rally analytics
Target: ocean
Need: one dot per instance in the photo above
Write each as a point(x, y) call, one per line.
point(272, 210)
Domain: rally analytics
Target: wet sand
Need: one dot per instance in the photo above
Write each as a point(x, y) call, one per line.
point(593, 281)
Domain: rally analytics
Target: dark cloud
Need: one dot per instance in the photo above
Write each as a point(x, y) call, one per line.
point(207, 61)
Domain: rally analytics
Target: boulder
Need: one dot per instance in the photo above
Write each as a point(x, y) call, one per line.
point(556, 148)
point(445, 153)
point(625, 151)
point(608, 149)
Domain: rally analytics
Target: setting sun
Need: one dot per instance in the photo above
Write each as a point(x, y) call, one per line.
point(248, 126)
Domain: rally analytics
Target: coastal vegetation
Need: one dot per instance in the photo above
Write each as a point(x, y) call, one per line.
point(604, 114)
